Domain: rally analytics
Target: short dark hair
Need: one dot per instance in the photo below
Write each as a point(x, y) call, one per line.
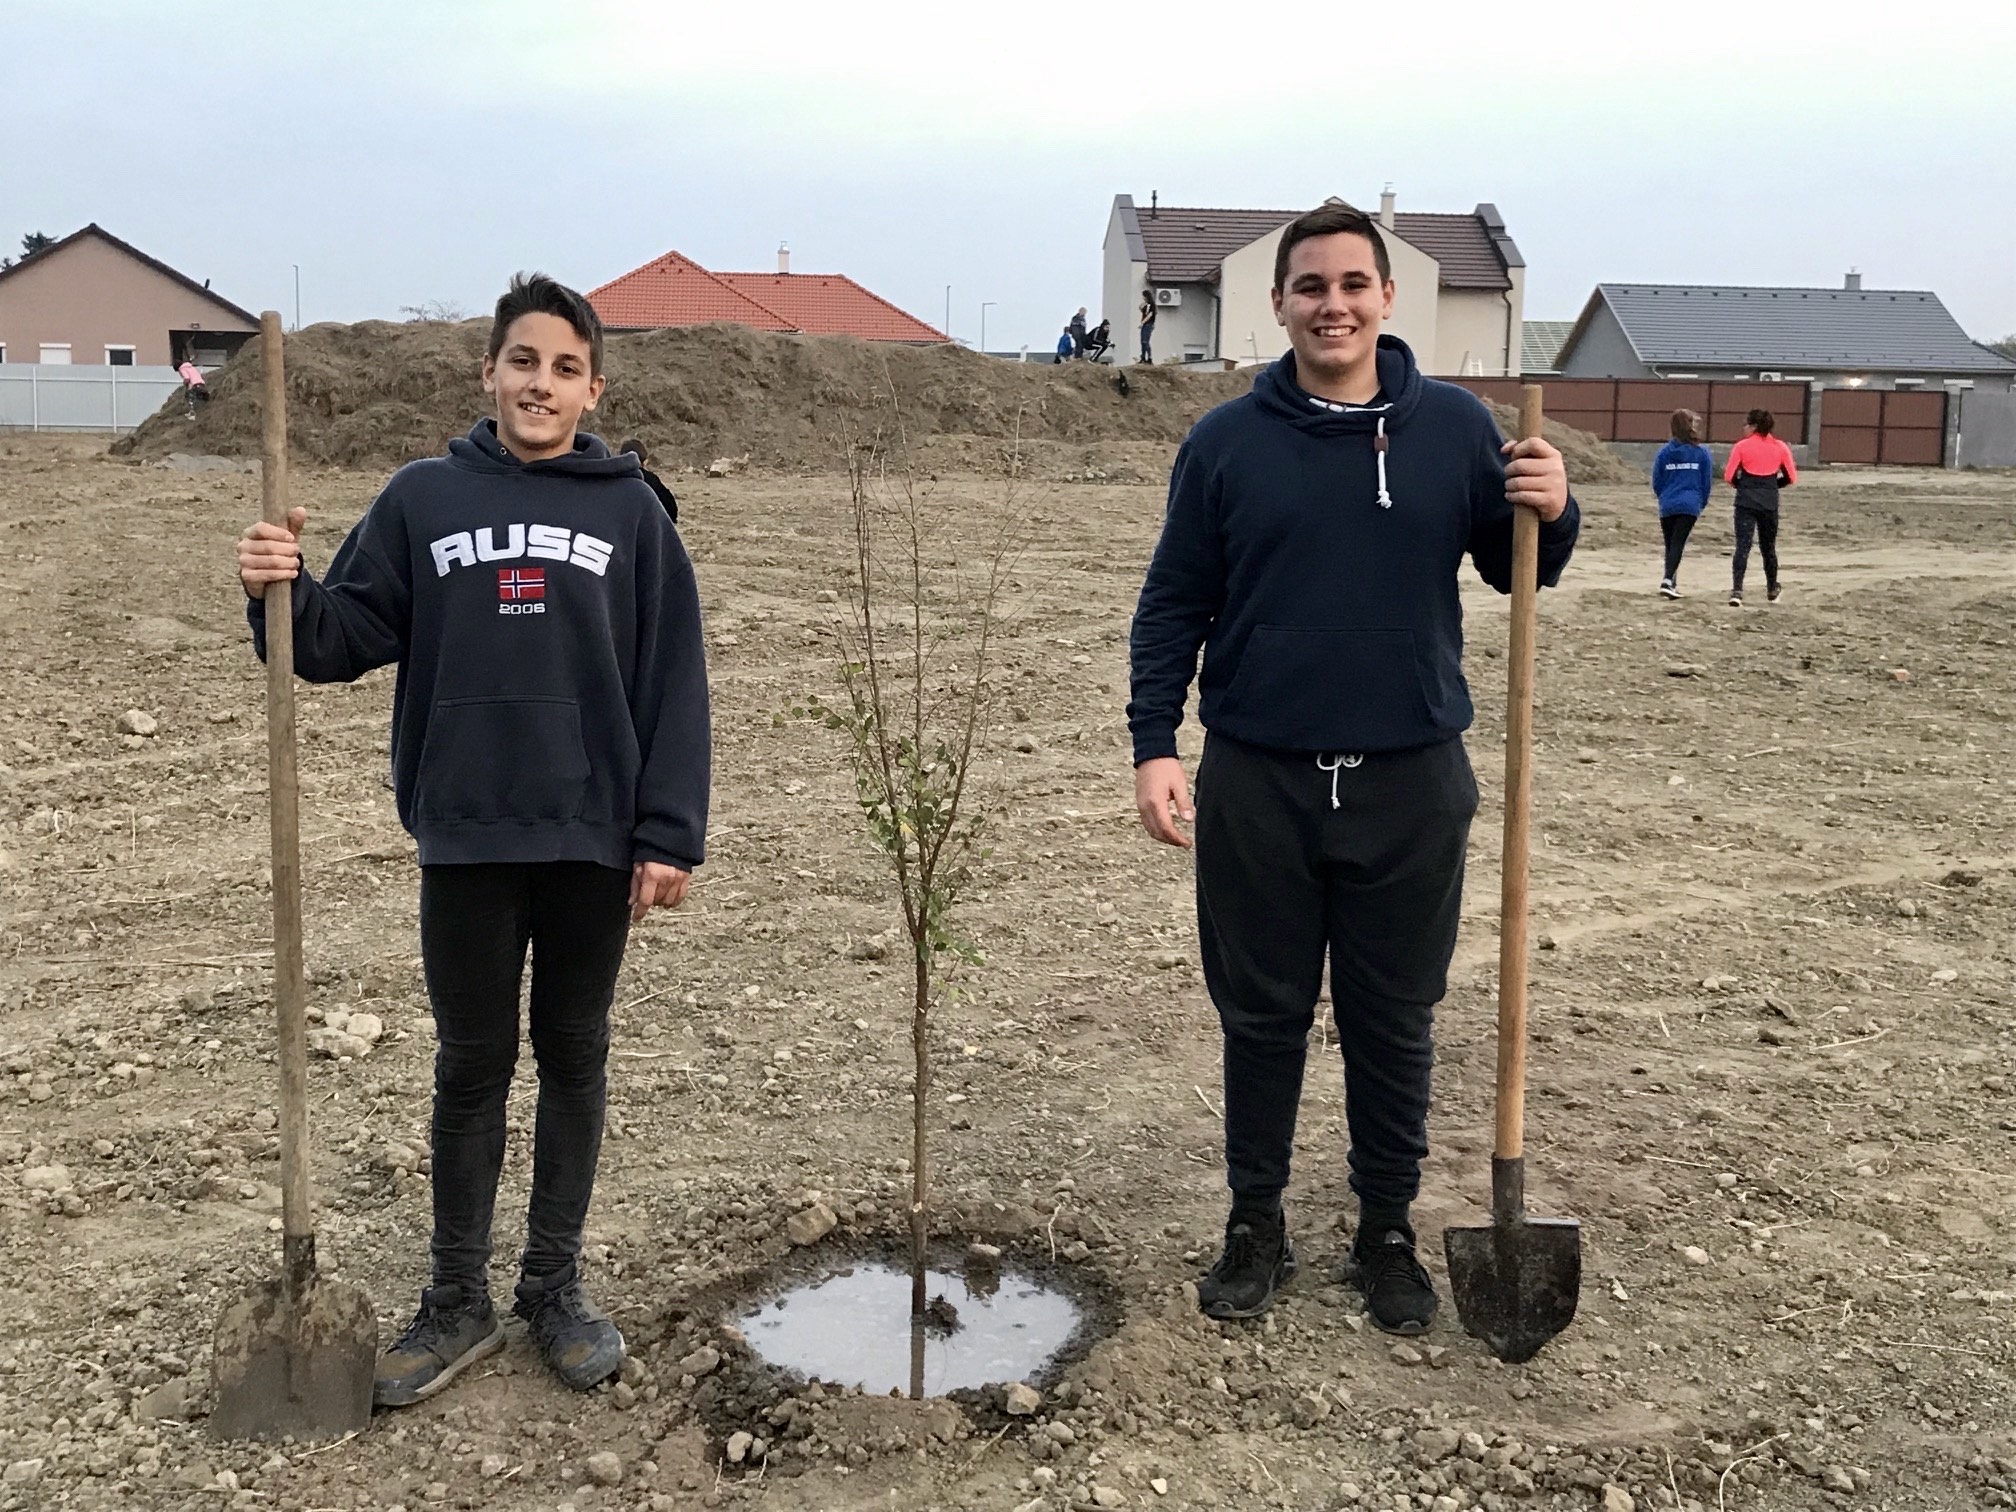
point(1331, 220)
point(536, 294)
point(636, 449)
point(1761, 420)
point(1686, 425)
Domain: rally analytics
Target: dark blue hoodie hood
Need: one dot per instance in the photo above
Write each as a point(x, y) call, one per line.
point(482, 450)
point(1280, 395)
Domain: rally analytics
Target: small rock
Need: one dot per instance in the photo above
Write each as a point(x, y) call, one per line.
point(223, 716)
point(1405, 1354)
point(1023, 1400)
point(1077, 1250)
point(1693, 1254)
point(47, 1178)
point(1907, 908)
point(605, 1468)
point(493, 1466)
point(1026, 744)
point(1437, 1443)
point(23, 1472)
point(168, 1400)
point(1769, 1035)
point(1834, 1478)
point(137, 722)
point(1726, 1179)
point(1439, 1357)
point(1684, 669)
point(1310, 1410)
point(1159, 1486)
point(1060, 1433)
point(1900, 675)
point(703, 1361)
point(367, 1027)
point(1108, 1496)
point(1548, 942)
point(874, 948)
point(811, 1224)
point(1617, 1499)
point(338, 1044)
point(739, 1444)
point(1946, 974)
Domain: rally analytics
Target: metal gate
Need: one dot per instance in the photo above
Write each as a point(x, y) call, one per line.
point(1900, 426)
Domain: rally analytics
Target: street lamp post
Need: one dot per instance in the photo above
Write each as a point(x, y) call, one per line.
point(985, 304)
point(297, 296)
point(948, 312)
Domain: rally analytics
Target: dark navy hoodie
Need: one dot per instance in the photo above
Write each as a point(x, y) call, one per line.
point(551, 703)
point(1323, 587)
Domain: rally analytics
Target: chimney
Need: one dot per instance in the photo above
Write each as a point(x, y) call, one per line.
point(1853, 281)
point(1386, 208)
point(1154, 199)
point(783, 257)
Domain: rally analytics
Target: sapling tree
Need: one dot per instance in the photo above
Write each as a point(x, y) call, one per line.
point(924, 616)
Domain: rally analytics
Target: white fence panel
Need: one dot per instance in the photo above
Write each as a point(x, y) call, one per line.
point(50, 396)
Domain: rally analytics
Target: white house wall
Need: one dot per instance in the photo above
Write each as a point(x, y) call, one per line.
point(1472, 326)
point(1120, 294)
point(1250, 329)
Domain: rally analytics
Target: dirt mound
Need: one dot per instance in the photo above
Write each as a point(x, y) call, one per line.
point(376, 394)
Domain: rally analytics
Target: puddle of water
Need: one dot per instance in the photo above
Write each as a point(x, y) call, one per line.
point(854, 1329)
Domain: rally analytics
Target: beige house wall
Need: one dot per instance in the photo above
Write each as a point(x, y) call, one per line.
point(1249, 332)
point(92, 295)
point(1470, 338)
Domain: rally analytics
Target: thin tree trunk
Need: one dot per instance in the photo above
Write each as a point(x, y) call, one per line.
point(921, 1049)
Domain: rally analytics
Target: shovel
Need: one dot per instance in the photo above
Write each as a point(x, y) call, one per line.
point(1516, 1281)
point(293, 1357)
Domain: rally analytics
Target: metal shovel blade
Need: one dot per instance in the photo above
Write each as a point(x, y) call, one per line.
point(302, 1368)
point(1515, 1283)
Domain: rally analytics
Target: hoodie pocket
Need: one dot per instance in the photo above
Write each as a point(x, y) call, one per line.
point(503, 759)
point(1311, 684)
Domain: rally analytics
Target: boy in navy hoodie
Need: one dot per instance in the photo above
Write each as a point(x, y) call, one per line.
point(550, 754)
point(1682, 474)
point(1315, 532)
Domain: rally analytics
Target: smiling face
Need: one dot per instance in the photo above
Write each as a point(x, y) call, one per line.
point(1332, 304)
point(544, 381)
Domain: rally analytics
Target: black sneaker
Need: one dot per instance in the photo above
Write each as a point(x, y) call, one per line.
point(1256, 1262)
point(1735, 601)
point(1668, 588)
point(572, 1334)
point(1771, 593)
point(453, 1329)
point(1399, 1297)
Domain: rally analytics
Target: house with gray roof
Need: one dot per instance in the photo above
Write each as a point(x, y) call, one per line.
point(1850, 337)
point(1459, 284)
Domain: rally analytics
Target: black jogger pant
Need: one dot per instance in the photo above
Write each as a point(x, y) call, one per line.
point(1675, 528)
point(475, 925)
point(1358, 860)
point(1762, 523)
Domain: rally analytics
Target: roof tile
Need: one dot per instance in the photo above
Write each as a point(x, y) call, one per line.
point(831, 304)
point(1463, 252)
point(676, 291)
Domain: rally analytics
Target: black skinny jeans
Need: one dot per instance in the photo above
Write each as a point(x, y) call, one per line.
point(1358, 861)
point(1763, 524)
point(1675, 528)
point(475, 925)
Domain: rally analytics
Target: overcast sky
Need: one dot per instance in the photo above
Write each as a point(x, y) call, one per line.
point(424, 149)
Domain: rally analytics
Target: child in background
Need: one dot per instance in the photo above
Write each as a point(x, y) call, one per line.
point(1682, 474)
point(1759, 465)
point(550, 754)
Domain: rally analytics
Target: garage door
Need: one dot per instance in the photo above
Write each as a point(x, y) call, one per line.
point(1902, 427)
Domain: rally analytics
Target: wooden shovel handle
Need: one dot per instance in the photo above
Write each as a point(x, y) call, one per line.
point(290, 980)
point(1510, 1143)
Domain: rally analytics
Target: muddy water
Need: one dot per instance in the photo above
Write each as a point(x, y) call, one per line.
point(855, 1329)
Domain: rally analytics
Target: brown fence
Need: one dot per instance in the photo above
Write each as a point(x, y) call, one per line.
point(1641, 409)
point(1887, 425)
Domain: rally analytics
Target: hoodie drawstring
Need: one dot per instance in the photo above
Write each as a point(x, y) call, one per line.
point(1379, 450)
point(1334, 765)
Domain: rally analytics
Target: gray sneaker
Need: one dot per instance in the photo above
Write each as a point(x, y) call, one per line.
point(452, 1330)
point(572, 1334)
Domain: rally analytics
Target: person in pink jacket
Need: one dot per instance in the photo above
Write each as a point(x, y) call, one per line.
point(1759, 466)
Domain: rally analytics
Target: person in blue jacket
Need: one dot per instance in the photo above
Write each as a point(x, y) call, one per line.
point(551, 757)
point(1682, 474)
point(1315, 535)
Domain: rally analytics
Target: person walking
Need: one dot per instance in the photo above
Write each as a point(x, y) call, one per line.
point(1076, 329)
point(1760, 465)
point(1315, 533)
point(1682, 474)
point(1147, 325)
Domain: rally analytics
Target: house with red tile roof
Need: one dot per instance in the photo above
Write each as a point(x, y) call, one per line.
point(673, 290)
point(1458, 301)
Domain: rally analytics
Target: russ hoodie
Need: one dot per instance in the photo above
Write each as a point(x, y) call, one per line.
point(551, 702)
point(1312, 550)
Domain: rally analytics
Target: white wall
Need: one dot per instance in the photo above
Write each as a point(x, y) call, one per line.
point(1120, 295)
point(1472, 325)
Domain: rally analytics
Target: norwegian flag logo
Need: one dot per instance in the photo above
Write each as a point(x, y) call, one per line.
point(515, 583)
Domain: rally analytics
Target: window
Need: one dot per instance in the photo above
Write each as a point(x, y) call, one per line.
point(55, 352)
point(119, 356)
point(3, 351)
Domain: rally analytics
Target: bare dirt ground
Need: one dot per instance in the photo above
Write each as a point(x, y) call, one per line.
point(1775, 884)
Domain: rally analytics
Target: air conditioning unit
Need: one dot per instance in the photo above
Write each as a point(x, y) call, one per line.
point(1770, 377)
point(1168, 298)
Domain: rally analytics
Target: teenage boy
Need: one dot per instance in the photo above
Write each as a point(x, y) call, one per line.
point(1315, 532)
point(551, 756)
